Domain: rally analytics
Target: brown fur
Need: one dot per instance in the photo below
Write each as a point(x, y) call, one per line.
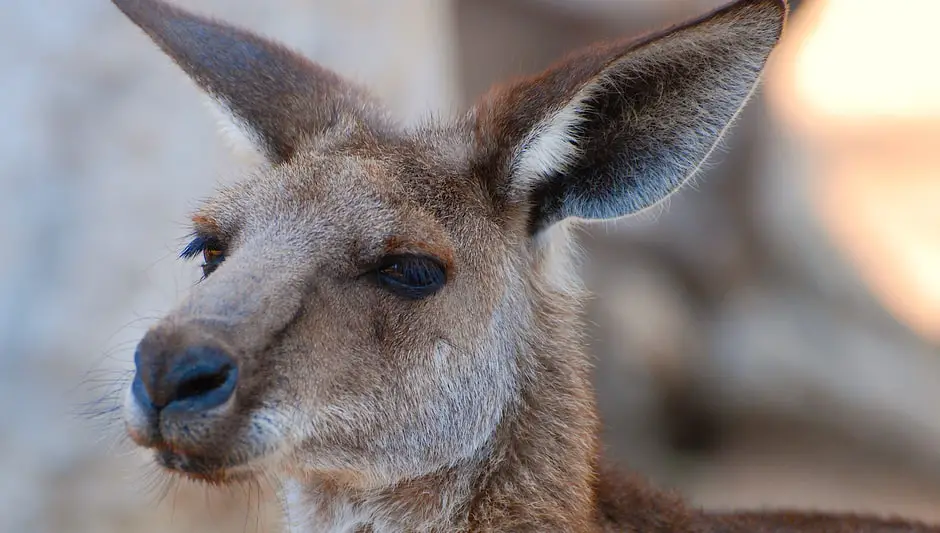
point(470, 409)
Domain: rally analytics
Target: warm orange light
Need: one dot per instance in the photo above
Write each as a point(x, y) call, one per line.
point(890, 230)
point(858, 81)
point(871, 57)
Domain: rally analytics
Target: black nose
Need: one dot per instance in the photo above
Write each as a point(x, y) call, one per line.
point(197, 378)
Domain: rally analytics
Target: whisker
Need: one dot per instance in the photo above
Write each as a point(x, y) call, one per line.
point(247, 490)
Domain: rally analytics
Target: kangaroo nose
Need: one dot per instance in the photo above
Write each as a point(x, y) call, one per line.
point(196, 378)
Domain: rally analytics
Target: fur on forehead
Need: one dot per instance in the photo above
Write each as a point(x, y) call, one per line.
point(421, 183)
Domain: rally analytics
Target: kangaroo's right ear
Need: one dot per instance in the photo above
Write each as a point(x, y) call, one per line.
point(616, 128)
point(274, 96)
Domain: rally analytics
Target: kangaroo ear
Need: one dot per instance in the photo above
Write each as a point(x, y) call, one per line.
point(616, 128)
point(274, 96)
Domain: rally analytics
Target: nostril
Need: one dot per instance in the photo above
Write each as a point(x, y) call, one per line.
point(202, 379)
point(195, 378)
point(199, 384)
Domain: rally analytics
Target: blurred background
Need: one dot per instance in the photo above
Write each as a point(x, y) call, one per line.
point(770, 338)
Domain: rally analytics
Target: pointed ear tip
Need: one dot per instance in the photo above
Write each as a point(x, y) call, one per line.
point(147, 13)
point(782, 11)
point(122, 5)
point(780, 8)
point(778, 5)
point(127, 6)
point(135, 9)
point(771, 12)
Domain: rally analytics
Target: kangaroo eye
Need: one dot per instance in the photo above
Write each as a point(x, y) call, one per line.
point(212, 256)
point(411, 276)
point(213, 253)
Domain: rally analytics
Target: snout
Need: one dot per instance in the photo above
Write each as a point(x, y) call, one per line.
point(190, 403)
point(183, 390)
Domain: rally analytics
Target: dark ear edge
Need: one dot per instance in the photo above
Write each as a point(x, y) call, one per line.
point(615, 128)
point(277, 97)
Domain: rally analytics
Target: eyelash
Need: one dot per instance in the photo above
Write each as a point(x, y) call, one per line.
point(194, 248)
point(414, 277)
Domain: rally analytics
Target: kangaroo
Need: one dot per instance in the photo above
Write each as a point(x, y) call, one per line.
point(388, 320)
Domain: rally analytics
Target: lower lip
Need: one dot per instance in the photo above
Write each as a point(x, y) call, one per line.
point(194, 468)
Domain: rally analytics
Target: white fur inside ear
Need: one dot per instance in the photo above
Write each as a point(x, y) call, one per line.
point(244, 142)
point(551, 147)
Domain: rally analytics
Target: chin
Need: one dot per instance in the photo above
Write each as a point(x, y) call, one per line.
point(202, 469)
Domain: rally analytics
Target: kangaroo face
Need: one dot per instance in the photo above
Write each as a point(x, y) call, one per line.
point(348, 313)
point(378, 300)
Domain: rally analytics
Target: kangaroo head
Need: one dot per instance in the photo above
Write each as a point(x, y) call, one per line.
point(378, 301)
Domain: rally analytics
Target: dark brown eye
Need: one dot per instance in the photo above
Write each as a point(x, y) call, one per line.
point(212, 256)
point(213, 253)
point(412, 276)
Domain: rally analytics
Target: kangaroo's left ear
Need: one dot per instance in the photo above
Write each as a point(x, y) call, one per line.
point(276, 98)
point(616, 128)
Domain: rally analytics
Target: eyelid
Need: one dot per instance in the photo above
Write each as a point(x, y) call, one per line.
point(421, 276)
point(376, 266)
point(392, 258)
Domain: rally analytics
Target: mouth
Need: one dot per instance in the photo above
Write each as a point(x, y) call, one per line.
point(217, 448)
point(186, 462)
point(200, 468)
